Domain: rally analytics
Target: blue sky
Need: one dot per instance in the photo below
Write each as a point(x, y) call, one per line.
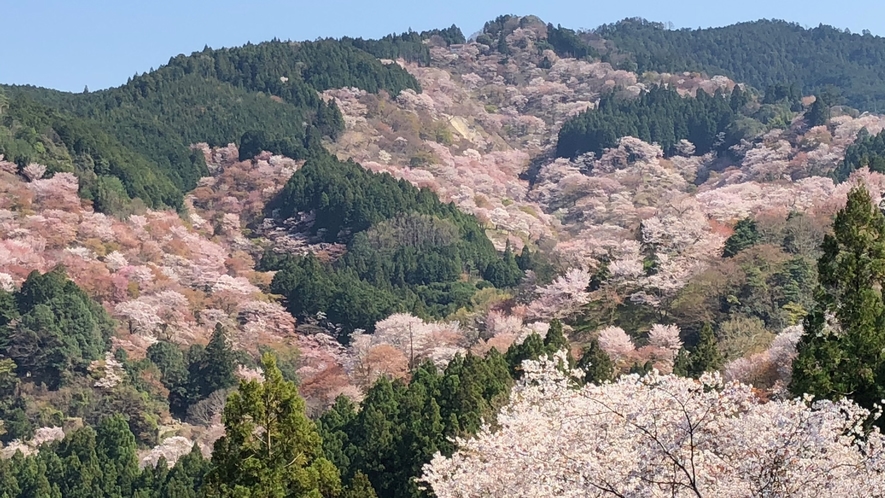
point(67, 44)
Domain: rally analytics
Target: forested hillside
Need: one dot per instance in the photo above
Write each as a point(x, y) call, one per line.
point(215, 96)
point(761, 53)
point(660, 116)
point(406, 251)
point(426, 266)
point(109, 172)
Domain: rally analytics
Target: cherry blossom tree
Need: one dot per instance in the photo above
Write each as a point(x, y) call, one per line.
point(771, 369)
point(171, 449)
point(665, 336)
point(615, 342)
point(563, 297)
point(661, 436)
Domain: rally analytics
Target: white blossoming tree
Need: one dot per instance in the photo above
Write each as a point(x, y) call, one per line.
point(657, 436)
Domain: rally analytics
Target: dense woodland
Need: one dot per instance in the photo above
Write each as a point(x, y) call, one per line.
point(761, 53)
point(660, 115)
point(374, 449)
point(406, 250)
point(867, 151)
point(213, 96)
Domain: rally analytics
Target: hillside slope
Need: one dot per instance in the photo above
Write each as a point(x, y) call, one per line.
point(401, 235)
point(761, 53)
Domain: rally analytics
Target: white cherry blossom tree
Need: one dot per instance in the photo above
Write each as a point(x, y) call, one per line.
point(661, 436)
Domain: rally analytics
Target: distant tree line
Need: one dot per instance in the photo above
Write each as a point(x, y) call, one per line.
point(760, 53)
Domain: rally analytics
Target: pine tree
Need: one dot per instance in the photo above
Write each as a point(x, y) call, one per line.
point(555, 339)
point(116, 450)
point(819, 113)
point(524, 260)
point(530, 348)
point(841, 352)
point(185, 479)
point(503, 48)
point(738, 99)
point(216, 369)
point(596, 364)
point(705, 357)
point(745, 235)
point(359, 487)
point(270, 448)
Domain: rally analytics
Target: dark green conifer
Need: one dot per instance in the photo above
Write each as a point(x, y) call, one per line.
point(840, 353)
point(745, 235)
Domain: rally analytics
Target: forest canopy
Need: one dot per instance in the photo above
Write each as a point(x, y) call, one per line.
point(406, 250)
point(761, 53)
point(141, 131)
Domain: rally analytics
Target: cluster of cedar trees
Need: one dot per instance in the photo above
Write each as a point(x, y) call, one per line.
point(133, 141)
point(271, 448)
point(406, 250)
point(761, 53)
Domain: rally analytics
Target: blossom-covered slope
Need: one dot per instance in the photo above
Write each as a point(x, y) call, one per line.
point(631, 240)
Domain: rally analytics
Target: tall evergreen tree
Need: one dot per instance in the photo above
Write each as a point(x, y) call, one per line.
point(270, 448)
point(359, 487)
point(116, 450)
point(555, 339)
point(819, 113)
point(842, 352)
point(215, 368)
point(596, 364)
point(705, 357)
point(745, 235)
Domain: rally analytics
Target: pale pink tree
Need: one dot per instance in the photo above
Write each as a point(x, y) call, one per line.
point(615, 342)
point(665, 337)
point(661, 436)
point(563, 297)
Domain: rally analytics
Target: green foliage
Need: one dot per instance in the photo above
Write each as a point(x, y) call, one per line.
point(840, 353)
point(194, 378)
point(555, 339)
point(704, 357)
point(567, 43)
point(216, 367)
point(115, 448)
point(99, 462)
point(745, 235)
point(596, 364)
point(140, 132)
point(406, 250)
point(781, 93)
point(58, 329)
point(867, 151)
point(504, 272)
point(399, 427)
point(32, 132)
point(762, 53)
point(311, 287)
point(819, 113)
point(359, 487)
point(409, 45)
point(270, 447)
point(533, 347)
point(659, 115)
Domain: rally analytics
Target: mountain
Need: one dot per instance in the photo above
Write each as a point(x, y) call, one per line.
point(382, 232)
point(761, 53)
point(217, 96)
